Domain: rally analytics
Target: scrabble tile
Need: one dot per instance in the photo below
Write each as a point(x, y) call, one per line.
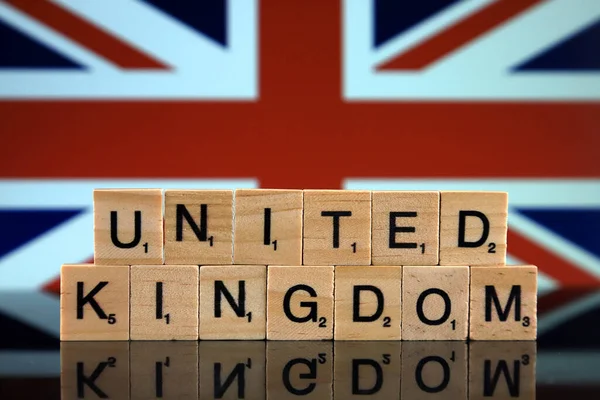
point(164, 370)
point(94, 302)
point(232, 370)
point(299, 303)
point(434, 370)
point(473, 227)
point(503, 303)
point(435, 303)
point(268, 227)
point(128, 226)
point(367, 370)
point(233, 302)
point(299, 370)
point(337, 227)
point(164, 302)
point(405, 228)
point(198, 226)
point(94, 370)
point(502, 370)
point(368, 303)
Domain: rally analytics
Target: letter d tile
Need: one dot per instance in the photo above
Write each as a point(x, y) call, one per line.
point(473, 228)
point(299, 303)
point(94, 302)
point(368, 303)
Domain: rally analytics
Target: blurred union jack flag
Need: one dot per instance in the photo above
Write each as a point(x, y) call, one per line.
point(454, 94)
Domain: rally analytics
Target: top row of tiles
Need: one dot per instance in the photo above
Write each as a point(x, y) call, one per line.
point(299, 227)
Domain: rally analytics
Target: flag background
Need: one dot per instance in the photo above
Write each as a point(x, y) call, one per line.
point(284, 95)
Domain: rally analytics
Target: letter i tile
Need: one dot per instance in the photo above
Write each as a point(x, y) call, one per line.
point(94, 302)
point(164, 302)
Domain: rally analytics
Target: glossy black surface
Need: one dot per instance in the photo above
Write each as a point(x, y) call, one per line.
point(563, 362)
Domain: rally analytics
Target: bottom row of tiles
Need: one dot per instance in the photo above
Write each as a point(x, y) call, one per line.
point(311, 370)
point(298, 303)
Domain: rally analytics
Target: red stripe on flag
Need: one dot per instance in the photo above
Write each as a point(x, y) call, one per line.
point(456, 36)
point(552, 265)
point(87, 35)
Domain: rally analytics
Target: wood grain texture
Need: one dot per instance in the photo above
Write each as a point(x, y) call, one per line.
point(353, 209)
point(394, 214)
point(503, 303)
point(513, 363)
point(206, 241)
point(106, 286)
point(367, 370)
point(434, 370)
point(435, 303)
point(299, 370)
point(138, 221)
point(175, 317)
point(272, 237)
point(247, 287)
point(493, 206)
point(111, 359)
point(245, 362)
point(164, 370)
point(309, 294)
point(358, 288)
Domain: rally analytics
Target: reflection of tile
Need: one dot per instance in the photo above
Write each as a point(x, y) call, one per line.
point(232, 370)
point(367, 369)
point(299, 369)
point(502, 370)
point(94, 370)
point(167, 370)
point(434, 370)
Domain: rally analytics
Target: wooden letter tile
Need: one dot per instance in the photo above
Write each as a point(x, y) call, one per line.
point(473, 227)
point(367, 303)
point(435, 303)
point(94, 370)
point(299, 370)
point(367, 370)
point(128, 226)
point(232, 370)
point(299, 303)
point(94, 302)
point(405, 228)
point(268, 227)
point(434, 370)
point(164, 302)
point(164, 370)
point(337, 227)
point(503, 303)
point(502, 370)
point(198, 225)
point(233, 302)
